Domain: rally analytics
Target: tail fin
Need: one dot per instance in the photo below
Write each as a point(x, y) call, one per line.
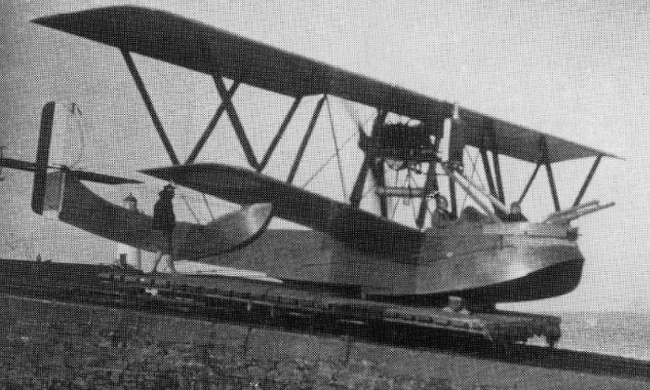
point(42, 156)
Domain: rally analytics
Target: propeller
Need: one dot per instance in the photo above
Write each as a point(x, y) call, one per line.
point(369, 165)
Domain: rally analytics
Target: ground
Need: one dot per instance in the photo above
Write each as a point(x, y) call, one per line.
point(46, 345)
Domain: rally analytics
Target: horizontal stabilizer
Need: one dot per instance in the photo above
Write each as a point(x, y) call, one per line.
point(102, 178)
point(17, 164)
point(80, 175)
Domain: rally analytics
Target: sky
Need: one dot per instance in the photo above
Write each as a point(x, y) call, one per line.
point(575, 70)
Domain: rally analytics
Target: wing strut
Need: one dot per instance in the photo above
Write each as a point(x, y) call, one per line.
point(488, 171)
point(305, 139)
point(357, 190)
point(154, 117)
point(549, 171)
point(379, 176)
point(452, 197)
point(497, 171)
point(147, 101)
point(530, 182)
point(430, 185)
point(279, 134)
point(236, 123)
point(587, 181)
point(211, 125)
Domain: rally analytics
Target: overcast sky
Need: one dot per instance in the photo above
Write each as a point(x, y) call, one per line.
point(578, 71)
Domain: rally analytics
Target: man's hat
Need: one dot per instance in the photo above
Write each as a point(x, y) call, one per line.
point(167, 190)
point(130, 198)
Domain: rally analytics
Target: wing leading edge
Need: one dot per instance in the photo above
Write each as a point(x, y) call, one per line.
point(358, 228)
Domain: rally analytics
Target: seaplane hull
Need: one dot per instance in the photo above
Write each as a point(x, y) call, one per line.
point(526, 270)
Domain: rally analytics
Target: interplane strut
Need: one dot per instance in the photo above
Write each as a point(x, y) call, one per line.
point(225, 105)
point(280, 132)
point(305, 139)
point(430, 185)
point(488, 171)
point(236, 122)
point(549, 171)
point(530, 182)
point(583, 189)
point(211, 125)
point(152, 111)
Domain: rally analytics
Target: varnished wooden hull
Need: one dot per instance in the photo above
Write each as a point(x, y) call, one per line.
point(495, 269)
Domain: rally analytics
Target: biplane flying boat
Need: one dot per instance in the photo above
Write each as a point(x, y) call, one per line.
point(478, 256)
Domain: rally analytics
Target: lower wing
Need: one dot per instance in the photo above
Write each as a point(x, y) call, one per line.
point(358, 228)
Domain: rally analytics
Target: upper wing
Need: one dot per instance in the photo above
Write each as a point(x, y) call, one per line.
point(483, 131)
point(194, 45)
point(356, 227)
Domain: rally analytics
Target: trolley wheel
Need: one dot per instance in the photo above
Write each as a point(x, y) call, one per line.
point(552, 341)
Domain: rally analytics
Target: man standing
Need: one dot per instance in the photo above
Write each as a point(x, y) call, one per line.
point(164, 220)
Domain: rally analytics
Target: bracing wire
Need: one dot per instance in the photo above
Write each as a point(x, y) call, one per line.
point(462, 206)
point(371, 188)
point(187, 204)
point(75, 108)
point(336, 149)
point(318, 171)
point(412, 183)
point(474, 161)
point(207, 206)
point(394, 211)
point(478, 175)
point(354, 114)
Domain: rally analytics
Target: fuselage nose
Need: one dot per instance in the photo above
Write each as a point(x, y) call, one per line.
point(501, 262)
point(539, 260)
